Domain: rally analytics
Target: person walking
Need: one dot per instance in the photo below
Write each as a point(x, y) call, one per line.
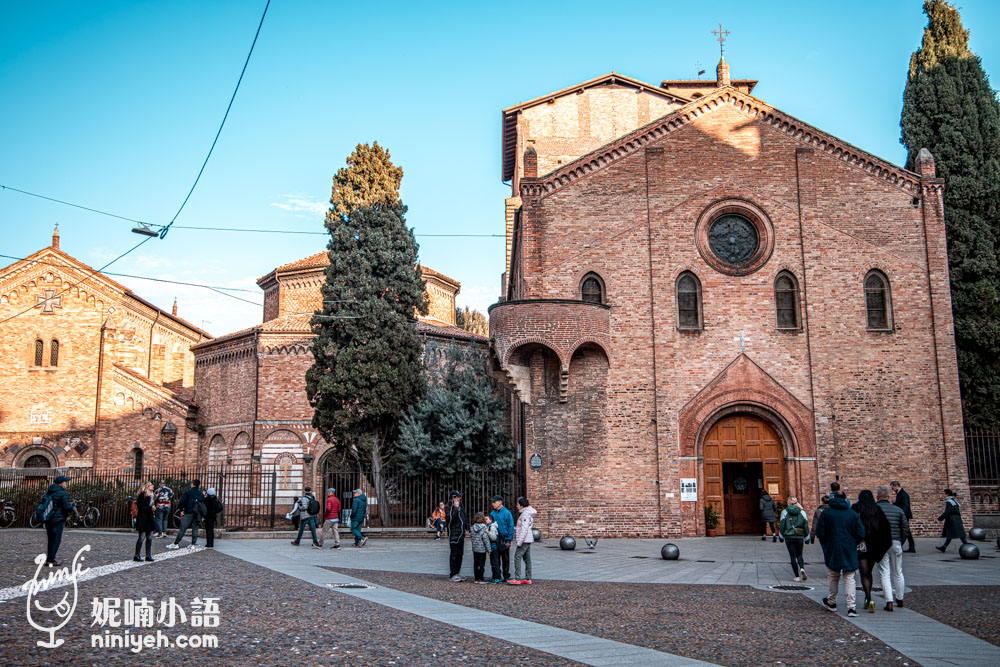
point(839, 532)
point(144, 522)
point(902, 501)
point(494, 535)
point(458, 526)
point(331, 519)
point(768, 508)
point(891, 565)
point(824, 503)
point(438, 517)
point(161, 518)
point(876, 543)
point(62, 508)
point(953, 528)
point(523, 538)
point(794, 527)
point(192, 500)
point(480, 547)
point(359, 510)
point(505, 534)
point(308, 511)
point(213, 508)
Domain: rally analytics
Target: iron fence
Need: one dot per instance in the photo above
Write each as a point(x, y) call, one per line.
point(412, 498)
point(982, 451)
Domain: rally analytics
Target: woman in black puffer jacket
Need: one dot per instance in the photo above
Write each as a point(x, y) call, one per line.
point(878, 539)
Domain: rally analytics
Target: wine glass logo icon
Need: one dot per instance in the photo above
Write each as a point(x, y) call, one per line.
point(60, 612)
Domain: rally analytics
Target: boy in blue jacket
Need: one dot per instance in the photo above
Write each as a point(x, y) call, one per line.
point(505, 533)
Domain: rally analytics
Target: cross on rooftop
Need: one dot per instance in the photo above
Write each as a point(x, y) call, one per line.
point(722, 35)
point(48, 301)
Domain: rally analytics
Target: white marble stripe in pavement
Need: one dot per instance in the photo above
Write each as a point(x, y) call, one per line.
point(89, 573)
point(928, 642)
point(577, 646)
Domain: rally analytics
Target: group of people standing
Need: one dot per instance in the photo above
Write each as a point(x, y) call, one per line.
point(306, 511)
point(491, 534)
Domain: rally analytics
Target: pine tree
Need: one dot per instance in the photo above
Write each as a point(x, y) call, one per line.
point(456, 426)
point(368, 366)
point(472, 320)
point(949, 108)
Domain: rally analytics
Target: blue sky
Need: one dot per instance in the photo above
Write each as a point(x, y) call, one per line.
point(114, 105)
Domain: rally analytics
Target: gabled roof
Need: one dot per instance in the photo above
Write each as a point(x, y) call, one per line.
point(750, 106)
point(612, 78)
point(50, 256)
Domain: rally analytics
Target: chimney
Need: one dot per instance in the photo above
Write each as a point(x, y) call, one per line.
point(55, 237)
point(173, 311)
point(925, 164)
point(530, 163)
point(722, 73)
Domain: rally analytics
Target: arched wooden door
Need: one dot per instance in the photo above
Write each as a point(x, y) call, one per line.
point(742, 457)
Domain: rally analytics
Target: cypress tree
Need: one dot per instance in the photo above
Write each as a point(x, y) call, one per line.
point(949, 108)
point(368, 366)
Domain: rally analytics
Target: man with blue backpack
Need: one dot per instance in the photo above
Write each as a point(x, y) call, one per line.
point(54, 509)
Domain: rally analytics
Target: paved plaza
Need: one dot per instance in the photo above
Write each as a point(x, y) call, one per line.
point(619, 603)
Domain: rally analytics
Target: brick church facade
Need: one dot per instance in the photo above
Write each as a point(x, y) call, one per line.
point(252, 401)
point(93, 374)
point(706, 298)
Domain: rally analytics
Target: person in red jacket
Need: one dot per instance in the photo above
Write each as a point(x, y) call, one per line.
point(331, 519)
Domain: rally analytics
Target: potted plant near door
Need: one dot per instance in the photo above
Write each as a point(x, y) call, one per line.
point(711, 519)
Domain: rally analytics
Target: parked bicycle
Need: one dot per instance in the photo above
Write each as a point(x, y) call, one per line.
point(7, 514)
point(88, 518)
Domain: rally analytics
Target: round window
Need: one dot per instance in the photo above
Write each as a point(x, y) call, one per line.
point(733, 238)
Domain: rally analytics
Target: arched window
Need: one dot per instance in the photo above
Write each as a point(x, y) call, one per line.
point(689, 315)
point(137, 457)
point(37, 461)
point(54, 353)
point(39, 352)
point(592, 288)
point(786, 300)
point(878, 301)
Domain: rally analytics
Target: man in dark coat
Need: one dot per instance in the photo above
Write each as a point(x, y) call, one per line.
point(189, 503)
point(902, 501)
point(458, 526)
point(768, 508)
point(839, 532)
point(212, 506)
point(953, 528)
point(359, 509)
point(62, 508)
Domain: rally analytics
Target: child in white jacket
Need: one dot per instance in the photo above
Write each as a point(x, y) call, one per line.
point(523, 538)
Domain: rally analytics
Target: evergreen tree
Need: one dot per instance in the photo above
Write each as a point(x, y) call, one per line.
point(949, 108)
point(368, 366)
point(472, 320)
point(457, 425)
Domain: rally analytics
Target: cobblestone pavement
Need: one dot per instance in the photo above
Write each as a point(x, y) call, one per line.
point(732, 625)
point(265, 618)
point(21, 546)
point(971, 609)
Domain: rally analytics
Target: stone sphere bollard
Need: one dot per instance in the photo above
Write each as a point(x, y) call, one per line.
point(536, 534)
point(969, 551)
point(670, 552)
point(978, 534)
point(567, 543)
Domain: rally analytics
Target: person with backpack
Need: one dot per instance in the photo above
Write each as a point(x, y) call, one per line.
point(458, 526)
point(164, 495)
point(359, 510)
point(192, 504)
point(213, 508)
point(53, 511)
point(331, 519)
point(308, 508)
point(794, 527)
point(142, 509)
point(505, 529)
point(768, 508)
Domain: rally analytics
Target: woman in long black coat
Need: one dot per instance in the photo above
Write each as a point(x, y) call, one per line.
point(144, 524)
point(878, 540)
point(953, 528)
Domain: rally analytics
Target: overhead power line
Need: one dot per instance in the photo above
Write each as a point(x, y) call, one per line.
point(164, 230)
